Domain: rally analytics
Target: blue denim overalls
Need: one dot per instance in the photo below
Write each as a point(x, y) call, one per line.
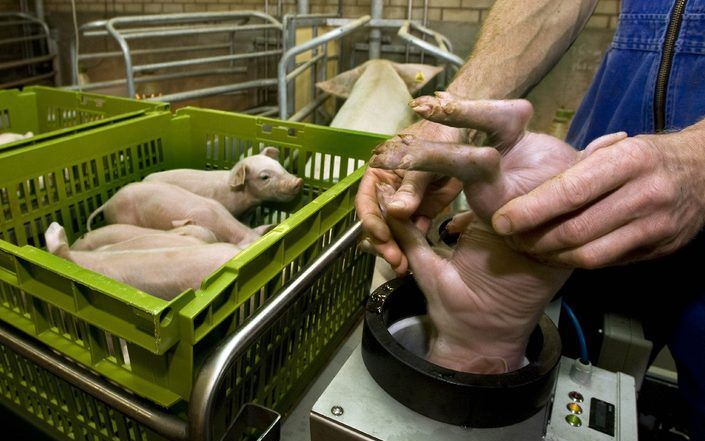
point(668, 294)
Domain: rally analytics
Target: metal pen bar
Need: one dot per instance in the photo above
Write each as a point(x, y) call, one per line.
point(373, 23)
point(197, 31)
point(215, 368)
point(309, 20)
point(261, 110)
point(26, 81)
point(204, 60)
point(160, 77)
point(428, 47)
point(323, 39)
point(289, 41)
point(101, 32)
point(441, 39)
point(376, 7)
point(309, 108)
point(273, 111)
point(127, 57)
point(390, 48)
point(162, 50)
point(128, 404)
point(302, 67)
point(26, 19)
point(210, 91)
point(23, 39)
point(16, 22)
point(20, 63)
point(193, 17)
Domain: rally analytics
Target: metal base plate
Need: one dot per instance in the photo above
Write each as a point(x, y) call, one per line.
point(369, 413)
point(355, 408)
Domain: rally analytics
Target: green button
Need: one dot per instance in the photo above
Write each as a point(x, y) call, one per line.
point(573, 420)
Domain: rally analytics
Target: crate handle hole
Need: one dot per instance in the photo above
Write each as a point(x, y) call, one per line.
point(166, 317)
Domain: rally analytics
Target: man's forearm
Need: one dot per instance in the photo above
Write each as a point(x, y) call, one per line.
point(518, 44)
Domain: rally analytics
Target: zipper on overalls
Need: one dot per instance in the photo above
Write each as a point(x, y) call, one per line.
point(664, 69)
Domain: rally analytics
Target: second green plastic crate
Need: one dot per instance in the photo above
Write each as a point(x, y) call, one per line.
point(48, 112)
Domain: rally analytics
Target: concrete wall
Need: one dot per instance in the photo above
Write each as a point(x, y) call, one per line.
point(460, 20)
point(461, 11)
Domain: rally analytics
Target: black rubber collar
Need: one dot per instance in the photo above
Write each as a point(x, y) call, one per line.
point(445, 395)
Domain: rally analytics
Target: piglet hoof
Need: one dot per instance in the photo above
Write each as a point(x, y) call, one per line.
point(395, 153)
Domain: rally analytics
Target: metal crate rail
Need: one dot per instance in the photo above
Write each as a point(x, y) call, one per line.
point(189, 63)
point(35, 51)
point(140, 342)
point(83, 406)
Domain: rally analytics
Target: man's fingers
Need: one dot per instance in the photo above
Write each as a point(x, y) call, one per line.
point(367, 208)
point(617, 209)
point(580, 185)
point(620, 246)
point(391, 252)
point(408, 197)
point(503, 120)
point(411, 240)
point(603, 141)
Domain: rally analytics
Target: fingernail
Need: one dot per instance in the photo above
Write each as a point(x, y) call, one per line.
point(413, 103)
point(424, 108)
point(396, 204)
point(503, 225)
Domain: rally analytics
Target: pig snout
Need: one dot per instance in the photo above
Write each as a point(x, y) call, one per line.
point(291, 187)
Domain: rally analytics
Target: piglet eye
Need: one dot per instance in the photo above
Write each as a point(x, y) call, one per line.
point(264, 177)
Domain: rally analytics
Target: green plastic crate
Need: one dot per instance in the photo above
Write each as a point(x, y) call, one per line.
point(49, 112)
point(148, 345)
point(58, 408)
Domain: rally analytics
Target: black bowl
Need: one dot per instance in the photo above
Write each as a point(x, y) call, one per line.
point(453, 397)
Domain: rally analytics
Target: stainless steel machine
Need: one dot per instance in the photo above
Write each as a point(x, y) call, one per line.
point(582, 402)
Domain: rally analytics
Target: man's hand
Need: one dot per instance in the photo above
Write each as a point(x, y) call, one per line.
point(419, 195)
point(633, 199)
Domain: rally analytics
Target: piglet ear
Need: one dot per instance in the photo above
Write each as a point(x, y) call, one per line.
point(237, 176)
point(270, 151)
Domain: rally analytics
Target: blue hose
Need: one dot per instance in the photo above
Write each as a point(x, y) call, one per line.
point(578, 330)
